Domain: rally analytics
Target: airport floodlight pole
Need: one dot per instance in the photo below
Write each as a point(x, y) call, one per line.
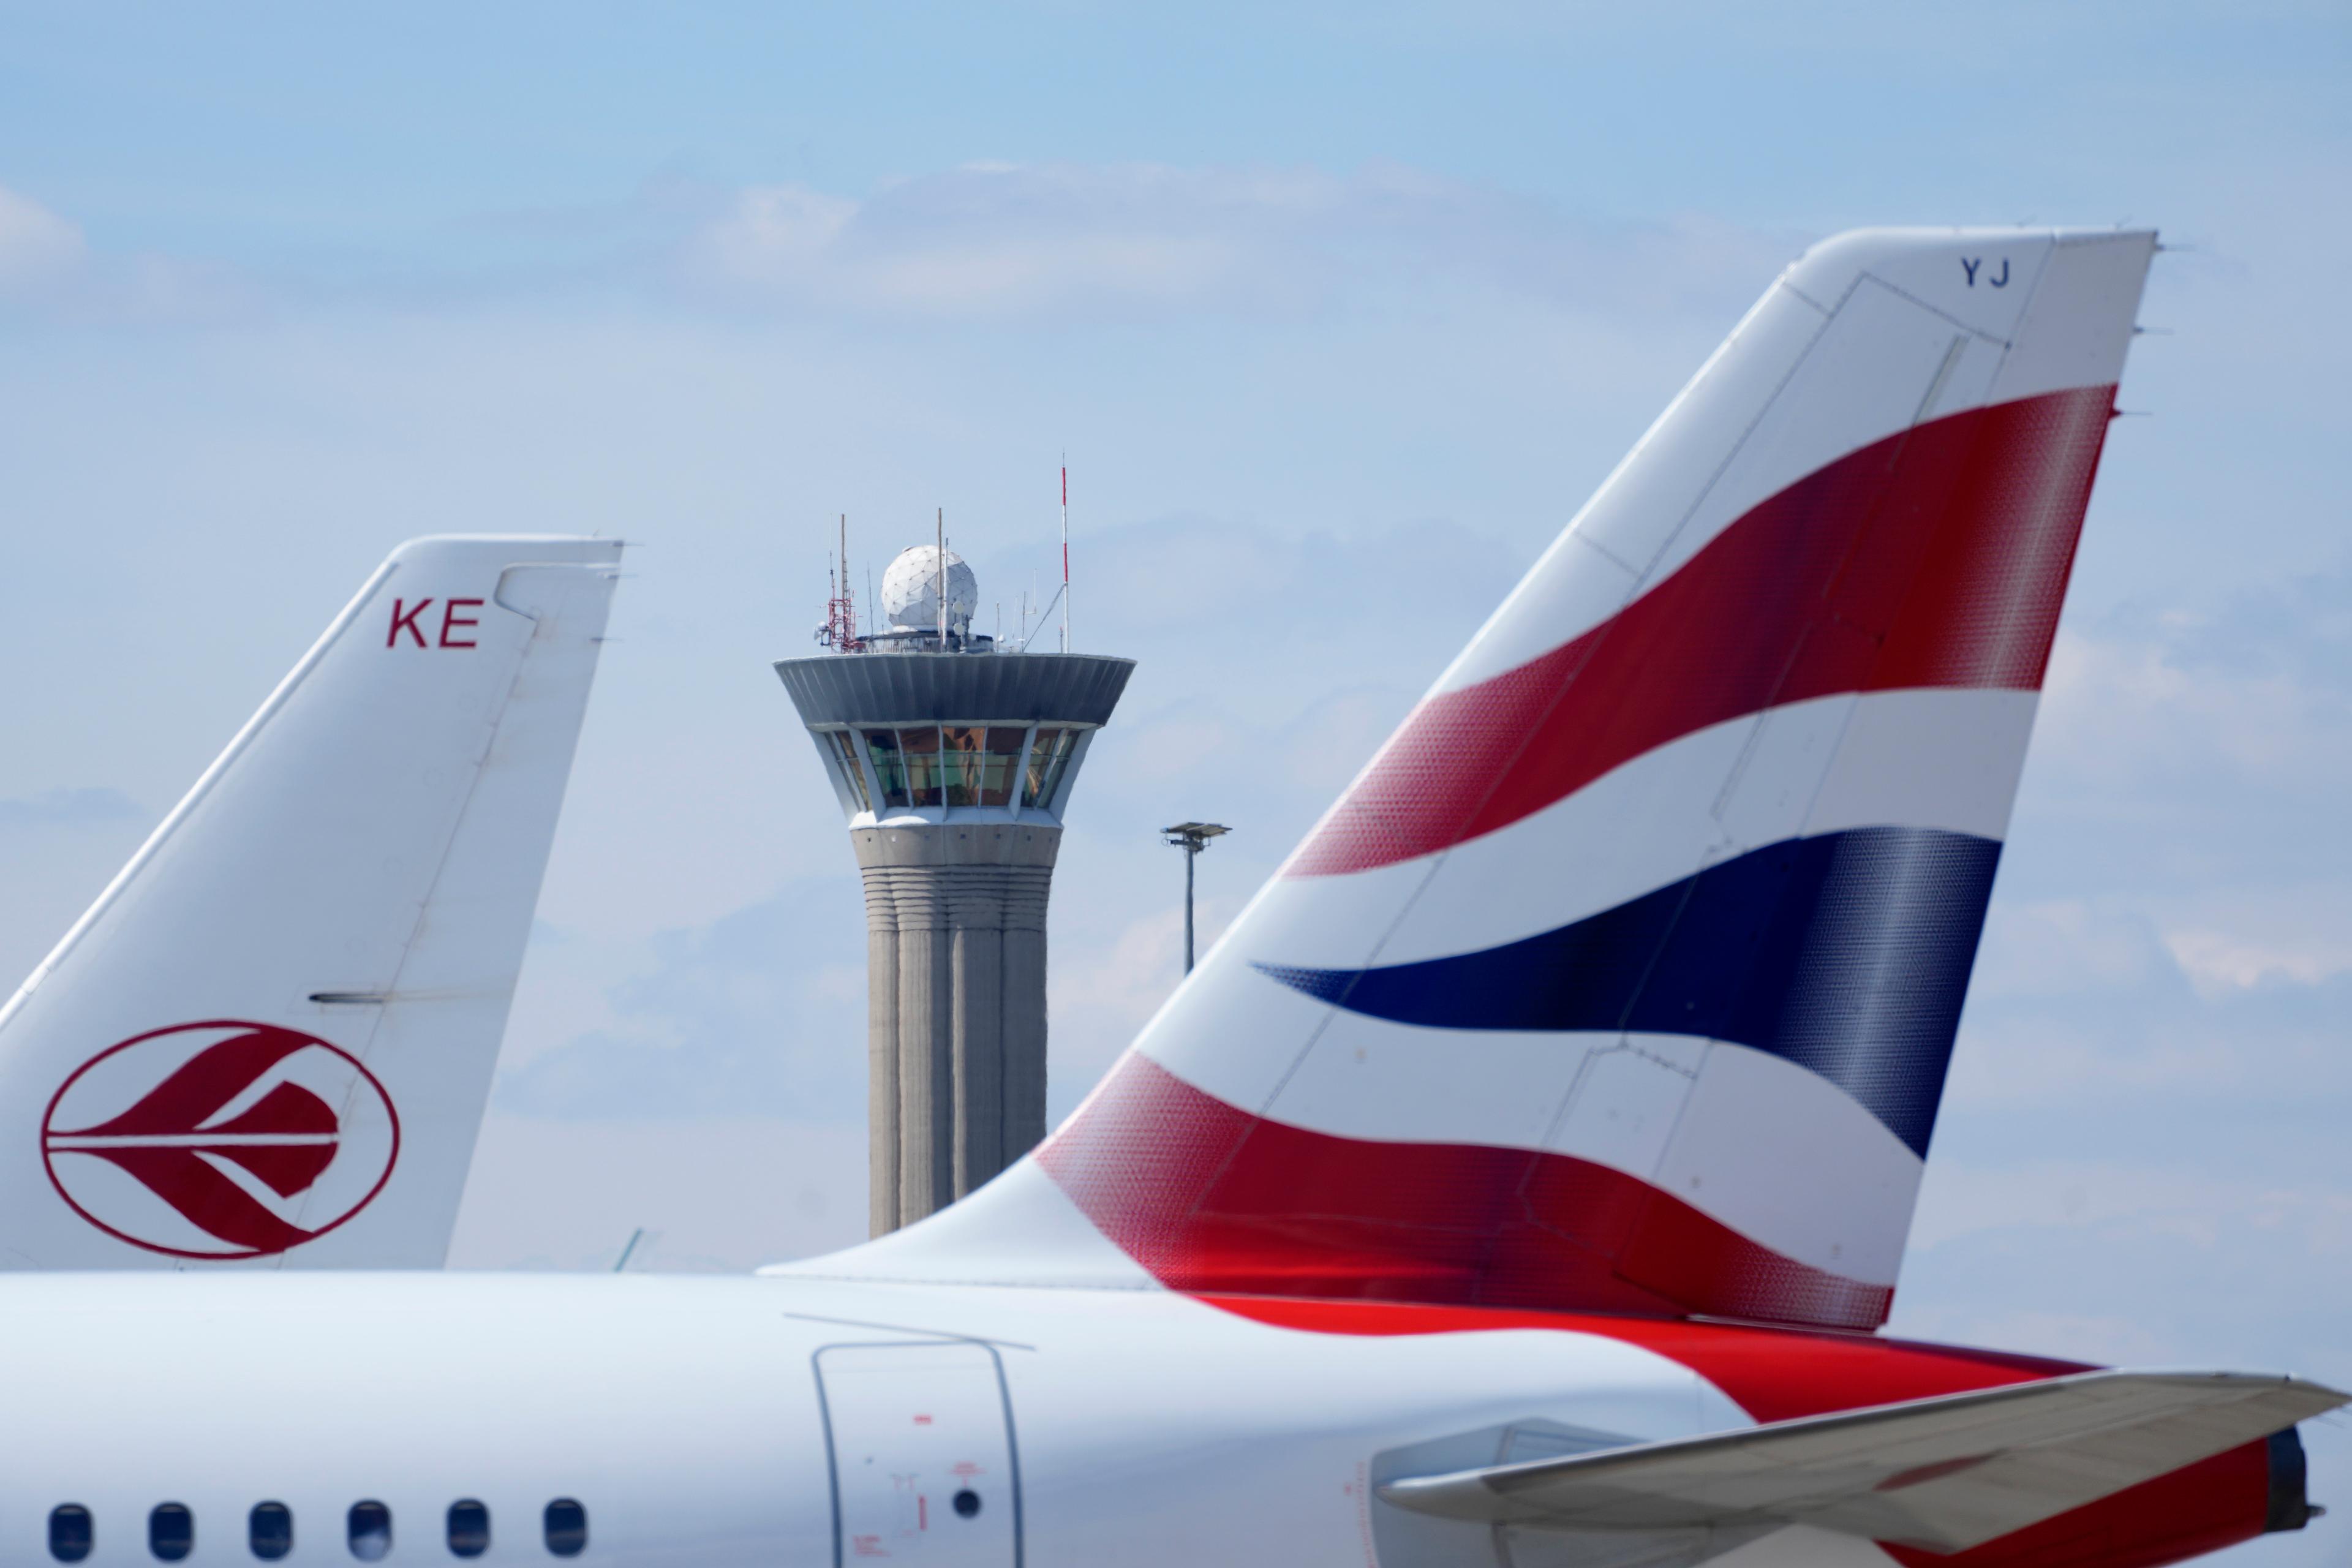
point(1191, 838)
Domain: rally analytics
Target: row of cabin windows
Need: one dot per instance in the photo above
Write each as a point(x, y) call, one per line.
point(955, 764)
point(269, 1530)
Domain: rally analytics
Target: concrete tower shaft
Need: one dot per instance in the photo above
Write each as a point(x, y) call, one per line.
point(953, 770)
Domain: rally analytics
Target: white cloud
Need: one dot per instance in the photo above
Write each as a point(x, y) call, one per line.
point(1064, 243)
point(2218, 961)
point(46, 265)
point(2238, 939)
point(2118, 708)
point(2063, 946)
point(2161, 1200)
point(992, 240)
point(37, 248)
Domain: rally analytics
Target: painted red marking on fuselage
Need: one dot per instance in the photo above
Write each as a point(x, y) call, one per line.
point(1210, 1198)
point(404, 620)
point(1773, 1373)
point(1934, 558)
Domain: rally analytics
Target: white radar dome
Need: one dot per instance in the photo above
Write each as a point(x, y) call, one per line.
point(910, 590)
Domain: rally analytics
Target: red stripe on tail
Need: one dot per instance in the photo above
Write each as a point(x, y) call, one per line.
point(1210, 1198)
point(1934, 558)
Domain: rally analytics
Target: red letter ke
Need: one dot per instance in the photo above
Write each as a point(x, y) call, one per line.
point(406, 621)
point(450, 617)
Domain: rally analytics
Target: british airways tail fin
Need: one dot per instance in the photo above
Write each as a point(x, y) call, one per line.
point(1626, 974)
point(271, 1038)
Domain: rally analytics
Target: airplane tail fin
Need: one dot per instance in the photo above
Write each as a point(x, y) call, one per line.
point(1625, 976)
point(272, 1037)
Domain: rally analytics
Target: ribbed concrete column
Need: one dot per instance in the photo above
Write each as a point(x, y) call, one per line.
point(1024, 1027)
point(963, 908)
point(925, 1073)
point(881, 1065)
point(977, 1137)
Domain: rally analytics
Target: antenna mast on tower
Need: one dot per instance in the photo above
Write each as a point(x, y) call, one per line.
point(840, 610)
point(1066, 552)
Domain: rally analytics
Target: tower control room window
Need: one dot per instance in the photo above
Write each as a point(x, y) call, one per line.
point(1000, 763)
point(963, 748)
point(889, 765)
point(920, 750)
point(982, 762)
point(846, 745)
point(70, 1534)
point(1049, 759)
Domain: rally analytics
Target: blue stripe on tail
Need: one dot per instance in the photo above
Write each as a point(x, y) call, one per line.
point(1847, 953)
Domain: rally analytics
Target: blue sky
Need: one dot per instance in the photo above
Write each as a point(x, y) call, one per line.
point(1339, 312)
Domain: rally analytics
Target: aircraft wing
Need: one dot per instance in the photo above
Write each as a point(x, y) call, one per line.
point(1943, 1474)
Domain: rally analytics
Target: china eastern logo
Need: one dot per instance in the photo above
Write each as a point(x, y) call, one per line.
point(220, 1139)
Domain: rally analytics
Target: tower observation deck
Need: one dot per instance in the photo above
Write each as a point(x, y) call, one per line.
point(953, 759)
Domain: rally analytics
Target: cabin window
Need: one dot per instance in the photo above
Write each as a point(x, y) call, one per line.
point(171, 1531)
point(567, 1528)
point(370, 1532)
point(269, 1531)
point(469, 1528)
point(68, 1532)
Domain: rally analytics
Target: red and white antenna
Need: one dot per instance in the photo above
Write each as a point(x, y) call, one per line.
point(1066, 552)
point(841, 609)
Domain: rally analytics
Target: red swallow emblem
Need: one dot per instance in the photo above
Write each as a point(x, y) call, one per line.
point(220, 1139)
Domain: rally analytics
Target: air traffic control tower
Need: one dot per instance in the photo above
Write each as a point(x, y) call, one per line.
point(954, 758)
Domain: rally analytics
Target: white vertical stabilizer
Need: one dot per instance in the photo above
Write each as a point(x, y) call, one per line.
point(271, 1038)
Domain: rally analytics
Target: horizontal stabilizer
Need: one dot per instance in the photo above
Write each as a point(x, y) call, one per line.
point(1943, 1474)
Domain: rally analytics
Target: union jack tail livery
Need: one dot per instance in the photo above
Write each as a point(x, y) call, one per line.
point(271, 1038)
point(1625, 976)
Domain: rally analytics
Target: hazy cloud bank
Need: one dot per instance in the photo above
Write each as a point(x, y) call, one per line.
point(998, 240)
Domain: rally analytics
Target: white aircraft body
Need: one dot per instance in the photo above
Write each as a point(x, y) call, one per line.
point(1522, 1181)
point(269, 1042)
